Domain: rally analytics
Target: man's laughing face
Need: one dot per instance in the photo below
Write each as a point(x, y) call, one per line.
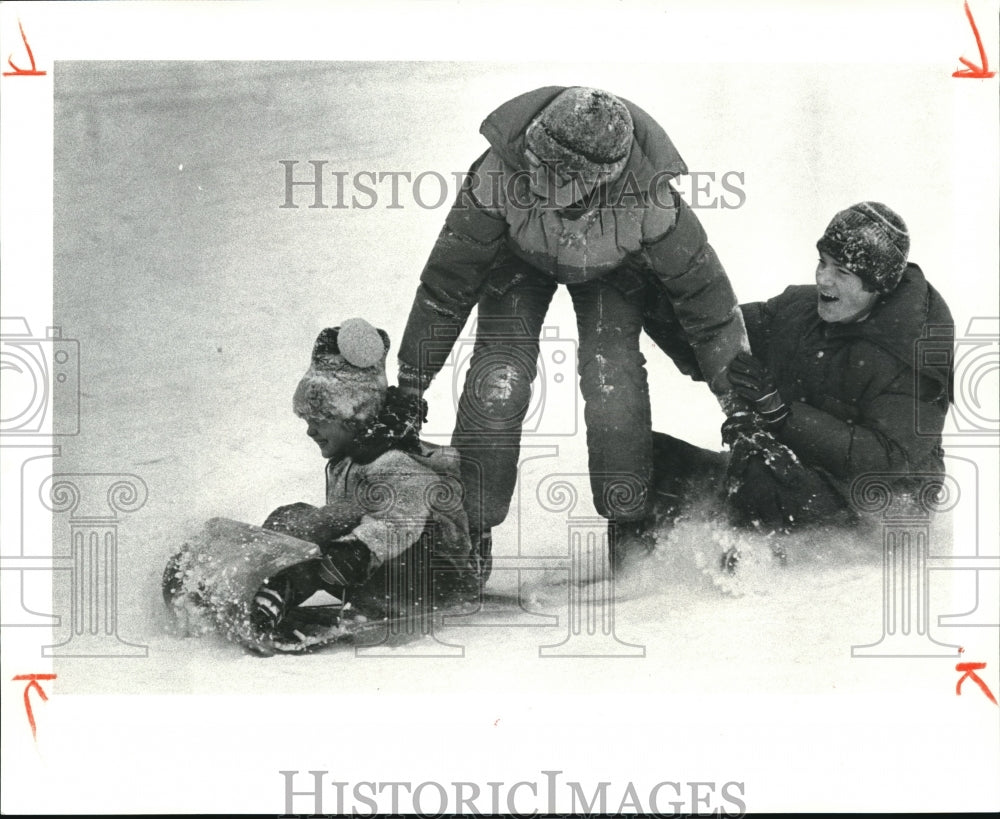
point(841, 296)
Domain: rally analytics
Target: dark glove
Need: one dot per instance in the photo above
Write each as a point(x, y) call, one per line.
point(405, 406)
point(345, 562)
point(753, 381)
point(740, 425)
point(396, 427)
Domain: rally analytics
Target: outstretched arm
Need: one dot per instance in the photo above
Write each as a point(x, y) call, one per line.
point(453, 278)
point(702, 296)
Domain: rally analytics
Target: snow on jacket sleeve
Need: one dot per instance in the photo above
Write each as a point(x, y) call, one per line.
point(702, 295)
point(757, 319)
point(398, 498)
point(883, 438)
point(454, 275)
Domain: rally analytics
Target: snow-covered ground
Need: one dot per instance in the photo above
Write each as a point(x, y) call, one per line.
point(196, 298)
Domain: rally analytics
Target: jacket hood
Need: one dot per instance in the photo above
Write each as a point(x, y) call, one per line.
point(652, 151)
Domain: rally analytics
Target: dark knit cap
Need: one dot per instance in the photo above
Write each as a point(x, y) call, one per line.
point(583, 131)
point(871, 241)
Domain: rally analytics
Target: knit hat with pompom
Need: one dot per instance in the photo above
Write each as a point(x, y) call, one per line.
point(346, 376)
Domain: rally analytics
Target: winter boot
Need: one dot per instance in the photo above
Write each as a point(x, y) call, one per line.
point(270, 605)
point(482, 554)
point(629, 542)
point(343, 565)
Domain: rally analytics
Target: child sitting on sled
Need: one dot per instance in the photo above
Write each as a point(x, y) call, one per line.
point(393, 536)
point(393, 533)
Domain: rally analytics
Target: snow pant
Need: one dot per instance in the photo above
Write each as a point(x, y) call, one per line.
point(749, 486)
point(415, 580)
point(782, 496)
point(684, 474)
point(497, 391)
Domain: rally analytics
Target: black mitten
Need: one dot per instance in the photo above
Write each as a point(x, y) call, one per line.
point(739, 425)
point(342, 563)
point(345, 563)
point(406, 407)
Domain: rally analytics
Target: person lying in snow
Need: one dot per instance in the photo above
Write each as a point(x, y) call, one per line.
point(393, 532)
point(575, 189)
point(839, 374)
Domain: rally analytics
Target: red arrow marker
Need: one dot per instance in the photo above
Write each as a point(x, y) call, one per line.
point(23, 72)
point(32, 680)
point(981, 71)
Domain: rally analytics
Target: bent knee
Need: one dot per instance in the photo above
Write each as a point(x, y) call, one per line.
point(613, 376)
point(500, 385)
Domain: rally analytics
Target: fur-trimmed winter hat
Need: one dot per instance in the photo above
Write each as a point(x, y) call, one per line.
point(871, 241)
point(583, 131)
point(346, 376)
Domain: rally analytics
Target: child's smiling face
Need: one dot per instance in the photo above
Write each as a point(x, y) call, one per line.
point(331, 435)
point(841, 296)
